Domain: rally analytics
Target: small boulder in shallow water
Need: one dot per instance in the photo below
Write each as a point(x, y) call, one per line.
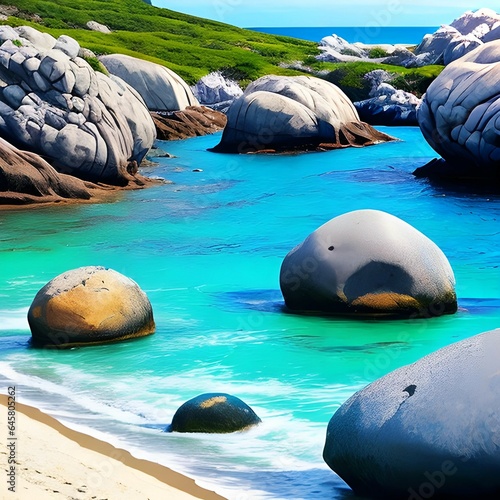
point(371, 263)
point(89, 305)
point(427, 430)
point(214, 413)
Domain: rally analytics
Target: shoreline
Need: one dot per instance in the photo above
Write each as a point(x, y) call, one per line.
point(53, 461)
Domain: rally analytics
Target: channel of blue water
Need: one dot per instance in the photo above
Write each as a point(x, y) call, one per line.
point(207, 249)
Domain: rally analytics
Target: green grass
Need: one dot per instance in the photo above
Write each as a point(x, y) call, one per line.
point(349, 77)
point(188, 45)
point(192, 46)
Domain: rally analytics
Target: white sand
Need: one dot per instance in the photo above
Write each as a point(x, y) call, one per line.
point(54, 462)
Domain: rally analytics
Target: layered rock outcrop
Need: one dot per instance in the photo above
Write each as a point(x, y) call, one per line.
point(89, 305)
point(370, 263)
point(26, 178)
point(294, 113)
point(193, 121)
point(214, 413)
point(426, 430)
point(53, 103)
point(161, 88)
point(460, 116)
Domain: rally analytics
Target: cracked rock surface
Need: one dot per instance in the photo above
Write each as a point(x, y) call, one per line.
point(54, 104)
point(460, 114)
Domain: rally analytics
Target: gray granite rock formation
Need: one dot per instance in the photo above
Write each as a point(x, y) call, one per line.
point(217, 92)
point(294, 113)
point(427, 430)
point(460, 114)
point(160, 87)
point(53, 103)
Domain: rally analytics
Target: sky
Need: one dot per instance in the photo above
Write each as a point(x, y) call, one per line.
point(302, 13)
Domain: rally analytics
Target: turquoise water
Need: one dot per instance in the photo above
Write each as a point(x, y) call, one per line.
point(207, 250)
point(363, 34)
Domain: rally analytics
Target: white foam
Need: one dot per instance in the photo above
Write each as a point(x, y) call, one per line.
point(14, 319)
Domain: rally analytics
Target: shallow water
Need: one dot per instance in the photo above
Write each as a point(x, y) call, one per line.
point(207, 251)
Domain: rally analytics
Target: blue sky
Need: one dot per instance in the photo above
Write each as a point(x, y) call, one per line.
point(260, 13)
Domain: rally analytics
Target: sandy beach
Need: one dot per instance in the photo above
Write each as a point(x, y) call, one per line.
point(53, 461)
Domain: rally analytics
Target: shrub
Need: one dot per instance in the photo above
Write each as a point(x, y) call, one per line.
point(377, 52)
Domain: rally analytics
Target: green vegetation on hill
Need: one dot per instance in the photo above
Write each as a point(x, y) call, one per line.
point(192, 46)
point(350, 77)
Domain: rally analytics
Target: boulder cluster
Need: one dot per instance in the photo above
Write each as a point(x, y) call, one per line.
point(53, 103)
point(447, 44)
point(387, 105)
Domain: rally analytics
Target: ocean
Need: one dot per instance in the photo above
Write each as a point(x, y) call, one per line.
point(207, 250)
point(409, 35)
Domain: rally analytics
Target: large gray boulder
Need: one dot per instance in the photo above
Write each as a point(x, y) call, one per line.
point(428, 430)
point(53, 103)
point(433, 45)
point(89, 305)
point(460, 115)
point(160, 87)
point(368, 262)
point(294, 113)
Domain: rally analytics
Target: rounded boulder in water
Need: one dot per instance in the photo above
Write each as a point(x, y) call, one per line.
point(214, 413)
point(368, 262)
point(89, 305)
point(427, 430)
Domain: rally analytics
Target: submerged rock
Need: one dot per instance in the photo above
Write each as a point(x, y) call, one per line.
point(429, 429)
point(368, 262)
point(54, 104)
point(89, 305)
point(161, 88)
point(460, 116)
point(214, 413)
point(294, 113)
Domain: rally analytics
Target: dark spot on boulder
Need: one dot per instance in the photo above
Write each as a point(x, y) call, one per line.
point(410, 389)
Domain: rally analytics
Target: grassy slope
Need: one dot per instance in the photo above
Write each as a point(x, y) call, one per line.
point(190, 46)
